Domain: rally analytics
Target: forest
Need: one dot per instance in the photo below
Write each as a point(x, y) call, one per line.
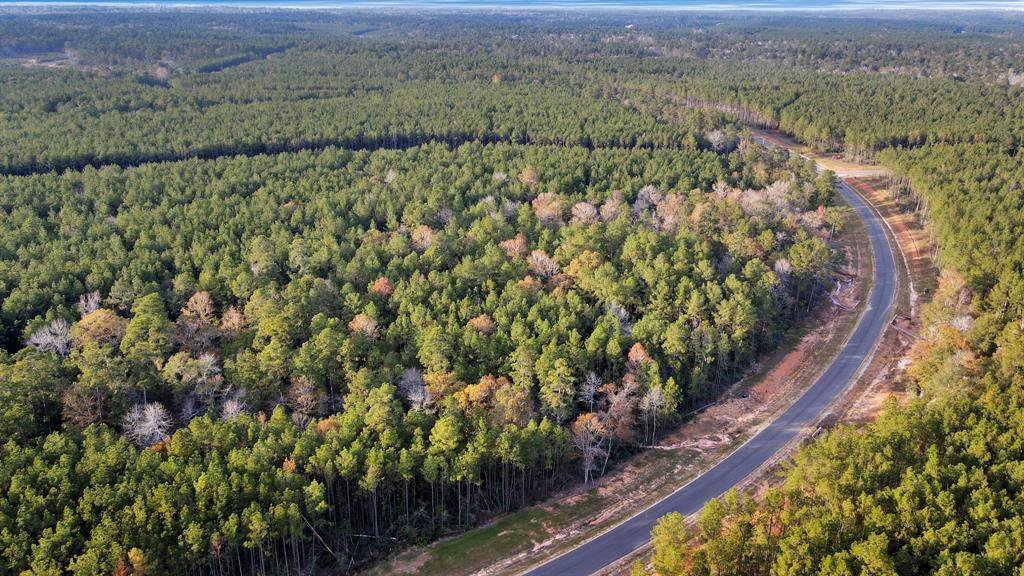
point(932, 487)
point(283, 293)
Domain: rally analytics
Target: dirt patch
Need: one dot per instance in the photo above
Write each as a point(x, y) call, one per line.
point(67, 59)
point(770, 385)
point(881, 381)
point(833, 162)
point(409, 564)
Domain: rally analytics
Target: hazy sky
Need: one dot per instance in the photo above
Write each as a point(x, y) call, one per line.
point(563, 4)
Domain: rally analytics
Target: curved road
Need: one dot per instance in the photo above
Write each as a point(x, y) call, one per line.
point(624, 538)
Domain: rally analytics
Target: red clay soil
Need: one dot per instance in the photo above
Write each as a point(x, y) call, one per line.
point(913, 241)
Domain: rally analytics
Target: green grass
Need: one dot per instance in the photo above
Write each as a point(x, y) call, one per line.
point(479, 547)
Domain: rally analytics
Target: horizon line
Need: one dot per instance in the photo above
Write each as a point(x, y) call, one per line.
point(541, 6)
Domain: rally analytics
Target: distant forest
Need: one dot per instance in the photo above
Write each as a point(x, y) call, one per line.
point(283, 291)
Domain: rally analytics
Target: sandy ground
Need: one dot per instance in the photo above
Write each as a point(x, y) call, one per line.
point(69, 59)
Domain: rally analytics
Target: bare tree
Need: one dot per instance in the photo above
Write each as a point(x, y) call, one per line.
point(509, 208)
point(528, 176)
point(200, 308)
point(584, 213)
point(666, 214)
point(489, 203)
point(196, 327)
point(721, 190)
point(382, 287)
point(754, 204)
point(783, 269)
point(624, 318)
point(480, 394)
point(365, 325)
point(233, 323)
point(619, 416)
point(548, 208)
point(483, 323)
point(146, 424)
point(637, 357)
point(529, 284)
point(650, 404)
point(514, 247)
point(233, 406)
point(82, 406)
point(588, 434)
point(587, 392)
point(719, 141)
point(542, 265)
point(209, 381)
point(412, 388)
point(444, 216)
point(306, 400)
point(55, 336)
point(646, 199)
point(200, 378)
point(612, 206)
point(777, 194)
point(422, 237)
point(88, 302)
point(190, 409)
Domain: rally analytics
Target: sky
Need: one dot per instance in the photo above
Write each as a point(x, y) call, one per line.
point(1016, 5)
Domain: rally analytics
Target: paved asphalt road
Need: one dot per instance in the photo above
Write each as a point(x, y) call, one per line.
point(626, 537)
